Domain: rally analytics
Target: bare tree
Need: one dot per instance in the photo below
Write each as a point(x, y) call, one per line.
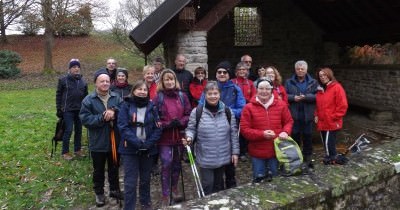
point(10, 11)
point(57, 9)
point(129, 15)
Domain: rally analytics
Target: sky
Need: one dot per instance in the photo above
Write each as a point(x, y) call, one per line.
point(99, 25)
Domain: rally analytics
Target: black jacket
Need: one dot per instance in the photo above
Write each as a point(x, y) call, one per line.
point(70, 93)
point(184, 77)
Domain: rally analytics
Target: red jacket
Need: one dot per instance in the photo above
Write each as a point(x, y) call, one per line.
point(196, 89)
point(280, 93)
point(331, 106)
point(255, 119)
point(153, 90)
point(247, 87)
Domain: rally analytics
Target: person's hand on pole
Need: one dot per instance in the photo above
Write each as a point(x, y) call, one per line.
point(186, 141)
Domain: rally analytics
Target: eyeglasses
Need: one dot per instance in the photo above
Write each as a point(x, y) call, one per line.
point(200, 73)
point(222, 72)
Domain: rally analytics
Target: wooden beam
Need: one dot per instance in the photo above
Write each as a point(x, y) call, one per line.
point(370, 34)
point(215, 15)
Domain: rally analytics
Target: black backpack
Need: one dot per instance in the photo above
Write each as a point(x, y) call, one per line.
point(58, 135)
point(199, 112)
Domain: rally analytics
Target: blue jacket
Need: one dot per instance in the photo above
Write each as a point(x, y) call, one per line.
point(130, 144)
point(232, 97)
point(308, 105)
point(91, 115)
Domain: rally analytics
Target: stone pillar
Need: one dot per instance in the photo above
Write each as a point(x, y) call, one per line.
point(193, 45)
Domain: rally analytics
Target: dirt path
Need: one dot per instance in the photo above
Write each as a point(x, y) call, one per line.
point(355, 124)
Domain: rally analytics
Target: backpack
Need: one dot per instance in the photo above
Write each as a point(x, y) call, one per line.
point(58, 135)
point(289, 156)
point(160, 100)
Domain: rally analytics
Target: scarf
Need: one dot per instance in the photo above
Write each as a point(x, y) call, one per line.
point(141, 101)
point(121, 85)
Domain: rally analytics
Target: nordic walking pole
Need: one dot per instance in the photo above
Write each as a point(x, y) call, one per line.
point(195, 173)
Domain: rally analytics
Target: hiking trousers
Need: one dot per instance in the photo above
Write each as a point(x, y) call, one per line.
point(329, 141)
point(212, 179)
point(99, 160)
point(72, 121)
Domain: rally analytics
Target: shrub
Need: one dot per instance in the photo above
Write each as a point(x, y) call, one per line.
point(8, 64)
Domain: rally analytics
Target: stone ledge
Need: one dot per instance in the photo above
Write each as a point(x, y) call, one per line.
point(326, 188)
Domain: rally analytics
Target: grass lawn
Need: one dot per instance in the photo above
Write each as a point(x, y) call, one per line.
point(29, 178)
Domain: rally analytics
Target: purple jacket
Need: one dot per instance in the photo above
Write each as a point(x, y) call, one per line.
point(171, 106)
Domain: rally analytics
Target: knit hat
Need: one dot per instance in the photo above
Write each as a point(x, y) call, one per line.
point(265, 79)
point(158, 59)
point(99, 72)
point(227, 66)
point(123, 70)
point(74, 62)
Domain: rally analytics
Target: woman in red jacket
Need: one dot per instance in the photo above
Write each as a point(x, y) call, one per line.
point(197, 85)
point(331, 107)
point(262, 120)
point(279, 91)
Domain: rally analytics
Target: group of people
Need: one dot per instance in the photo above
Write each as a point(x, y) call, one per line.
point(238, 115)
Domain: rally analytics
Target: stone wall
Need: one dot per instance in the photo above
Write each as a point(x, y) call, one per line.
point(373, 87)
point(288, 35)
point(369, 181)
point(194, 46)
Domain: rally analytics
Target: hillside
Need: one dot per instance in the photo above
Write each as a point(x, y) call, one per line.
point(92, 51)
point(89, 50)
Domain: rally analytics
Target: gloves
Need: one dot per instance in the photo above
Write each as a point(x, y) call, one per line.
point(175, 123)
point(59, 113)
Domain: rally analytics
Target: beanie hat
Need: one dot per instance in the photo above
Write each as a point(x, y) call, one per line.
point(100, 72)
point(265, 79)
point(158, 59)
point(227, 66)
point(123, 70)
point(74, 62)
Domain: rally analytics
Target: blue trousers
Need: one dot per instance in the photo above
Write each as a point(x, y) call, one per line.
point(137, 167)
point(262, 166)
point(72, 120)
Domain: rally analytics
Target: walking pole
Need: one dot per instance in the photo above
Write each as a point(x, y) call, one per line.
point(197, 180)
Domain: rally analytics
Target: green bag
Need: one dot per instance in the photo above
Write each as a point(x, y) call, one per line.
point(289, 156)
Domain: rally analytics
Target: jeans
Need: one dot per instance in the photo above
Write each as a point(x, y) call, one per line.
point(137, 167)
point(99, 163)
point(260, 166)
point(72, 120)
point(302, 134)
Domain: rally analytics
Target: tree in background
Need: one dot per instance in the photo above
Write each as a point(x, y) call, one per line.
point(60, 13)
point(10, 11)
point(129, 15)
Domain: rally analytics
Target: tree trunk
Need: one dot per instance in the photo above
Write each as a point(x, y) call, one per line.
point(48, 35)
point(3, 38)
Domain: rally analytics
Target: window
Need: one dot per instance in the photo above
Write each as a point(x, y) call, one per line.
point(247, 22)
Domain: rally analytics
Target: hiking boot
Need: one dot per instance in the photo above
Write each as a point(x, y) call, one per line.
point(309, 161)
point(100, 200)
point(67, 156)
point(164, 202)
point(146, 207)
point(80, 153)
point(117, 194)
point(176, 197)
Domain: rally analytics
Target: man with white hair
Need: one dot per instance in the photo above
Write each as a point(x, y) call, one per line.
point(301, 89)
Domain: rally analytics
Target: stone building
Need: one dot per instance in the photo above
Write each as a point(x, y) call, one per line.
point(280, 32)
